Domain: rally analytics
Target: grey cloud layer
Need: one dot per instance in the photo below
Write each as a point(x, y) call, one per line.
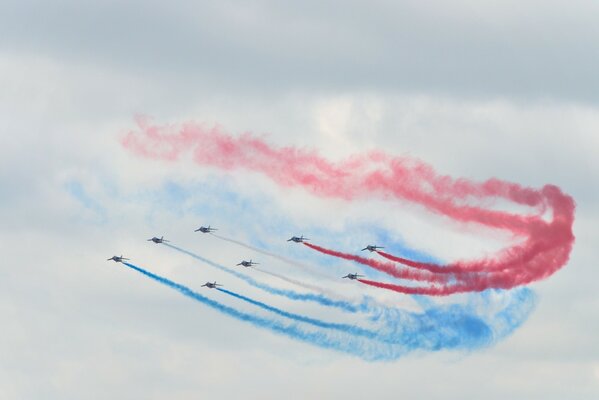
point(532, 49)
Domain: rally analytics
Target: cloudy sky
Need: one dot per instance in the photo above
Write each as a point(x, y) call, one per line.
point(506, 90)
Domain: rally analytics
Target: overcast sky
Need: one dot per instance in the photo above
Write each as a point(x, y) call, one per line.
point(506, 90)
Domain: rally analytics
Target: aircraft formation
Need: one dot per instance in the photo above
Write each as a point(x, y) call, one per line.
point(244, 263)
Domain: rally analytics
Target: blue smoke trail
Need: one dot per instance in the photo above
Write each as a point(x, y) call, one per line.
point(347, 345)
point(350, 329)
point(471, 325)
point(290, 294)
point(447, 327)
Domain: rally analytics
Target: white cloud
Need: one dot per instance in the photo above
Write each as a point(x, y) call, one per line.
point(77, 327)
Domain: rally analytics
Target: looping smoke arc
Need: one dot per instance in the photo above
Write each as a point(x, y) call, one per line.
point(544, 245)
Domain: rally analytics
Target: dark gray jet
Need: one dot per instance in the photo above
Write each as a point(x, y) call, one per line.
point(247, 263)
point(211, 285)
point(117, 259)
point(297, 239)
point(158, 240)
point(371, 248)
point(204, 229)
point(353, 276)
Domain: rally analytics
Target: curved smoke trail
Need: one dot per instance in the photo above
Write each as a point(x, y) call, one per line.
point(350, 329)
point(463, 282)
point(448, 327)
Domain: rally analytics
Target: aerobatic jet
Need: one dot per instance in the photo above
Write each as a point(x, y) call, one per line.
point(247, 263)
point(211, 285)
point(158, 240)
point(204, 229)
point(117, 259)
point(297, 239)
point(371, 248)
point(353, 276)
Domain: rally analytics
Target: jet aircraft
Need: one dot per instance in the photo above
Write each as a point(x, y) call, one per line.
point(211, 285)
point(371, 248)
point(117, 259)
point(297, 239)
point(353, 276)
point(247, 263)
point(158, 240)
point(204, 229)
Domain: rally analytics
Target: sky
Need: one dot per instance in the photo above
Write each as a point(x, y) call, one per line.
point(475, 90)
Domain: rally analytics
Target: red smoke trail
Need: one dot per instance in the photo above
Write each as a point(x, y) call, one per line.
point(538, 267)
point(544, 238)
point(533, 270)
point(545, 245)
point(429, 291)
point(388, 268)
point(435, 290)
